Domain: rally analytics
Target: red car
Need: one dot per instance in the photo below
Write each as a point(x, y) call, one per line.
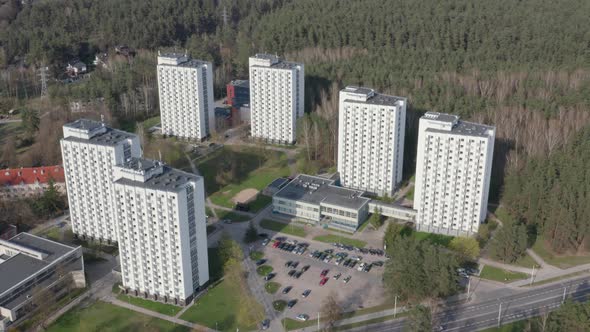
point(276, 244)
point(323, 281)
point(324, 273)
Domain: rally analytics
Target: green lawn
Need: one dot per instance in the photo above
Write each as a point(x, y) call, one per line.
point(260, 203)
point(563, 262)
point(217, 309)
point(279, 305)
point(163, 308)
point(292, 324)
point(101, 316)
point(283, 227)
point(233, 216)
point(256, 255)
point(10, 129)
point(494, 273)
point(442, 240)
point(272, 287)
point(410, 194)
point(264, 270)
point(518, 326)
point(148, 123)
point(233, 169)
point(524, 261)
point(332, 238)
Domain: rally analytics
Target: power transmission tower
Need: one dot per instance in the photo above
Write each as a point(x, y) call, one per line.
point(224, 15)
point(43, 74)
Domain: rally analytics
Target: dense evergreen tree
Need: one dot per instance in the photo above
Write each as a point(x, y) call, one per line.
point(509, 243)
point(551, 195)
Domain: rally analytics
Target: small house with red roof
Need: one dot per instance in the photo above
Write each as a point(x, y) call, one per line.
point(25, 182)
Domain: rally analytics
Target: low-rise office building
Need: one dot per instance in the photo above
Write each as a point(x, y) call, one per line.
point(317, 200)
point(31, 266)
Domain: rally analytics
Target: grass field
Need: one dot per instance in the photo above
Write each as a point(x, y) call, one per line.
point(148, 123)
point(215, 264)
point(101, 316)
point(232, 169)
point(518, 326)
point(163, 308)
point(496, 274)
point(524, 261)
point(279, 305)
point(264, 270)
point(410, 194)
point(282, 227)
point(256, 255)
point(9, 129)
point(559, 261)
point(235, 217)
point(292, 324)
point(272, 287)
point(260, 203)
point(217, 309)
point(340, 239)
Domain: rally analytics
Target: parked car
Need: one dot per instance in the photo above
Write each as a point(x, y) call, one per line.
point(302, 317)
point(361, 266)
point(260, 262)
point(265, 324)
point(305, 268)
point(288, 263)
point(306, 293)
point(226, 221)
point(294, 265)
point(352, 264)
point(265, 242)
point(337, 276)
point(367, 268)
point(287, 289)
point(292, 272)
point(347, 279)
point(291, 303)
point(297, 275)
point(269, 276)
point(378, 263)
point(324, 273)
point(276, 244)
point(323, 281)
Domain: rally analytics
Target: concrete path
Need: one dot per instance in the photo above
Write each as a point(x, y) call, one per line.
point(219, 207)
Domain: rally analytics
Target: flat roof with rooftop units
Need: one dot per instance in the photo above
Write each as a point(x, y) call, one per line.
point(453, 124)
point(316, 190)
point(365, 95)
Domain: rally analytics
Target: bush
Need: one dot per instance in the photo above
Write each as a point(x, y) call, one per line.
point(264, 270)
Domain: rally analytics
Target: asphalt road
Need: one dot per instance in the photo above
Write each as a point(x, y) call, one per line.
point(529, 303)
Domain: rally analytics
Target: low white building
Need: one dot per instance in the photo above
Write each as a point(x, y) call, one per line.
point(89, 151)
point(186, 96)
point(317, 200)
point(371, 133)
point(160, 215)
point(276, 98)
point(31, 265)
point(453, 169)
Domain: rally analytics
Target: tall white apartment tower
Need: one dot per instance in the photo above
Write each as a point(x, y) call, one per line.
point(371, 140)
point(453, 169)
point(89, 151)
point(186, 96)
point(160, 214)
point(276, 98)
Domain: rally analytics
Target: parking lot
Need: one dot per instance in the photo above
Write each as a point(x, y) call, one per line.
point(363, 290)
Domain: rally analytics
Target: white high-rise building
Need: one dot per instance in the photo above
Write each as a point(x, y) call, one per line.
point(453, 169)
point(89, 151)
point(160, 215)
point(186, 96)
point(371, 140)
point(276, 98)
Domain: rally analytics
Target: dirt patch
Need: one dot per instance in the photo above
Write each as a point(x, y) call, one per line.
point(245, 196)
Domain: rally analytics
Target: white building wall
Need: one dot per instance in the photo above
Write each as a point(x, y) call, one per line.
point(276, 99)
point(186, 97)
point(452, 178)
point(370, 144)
point(88, 169)
point(155, 240)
